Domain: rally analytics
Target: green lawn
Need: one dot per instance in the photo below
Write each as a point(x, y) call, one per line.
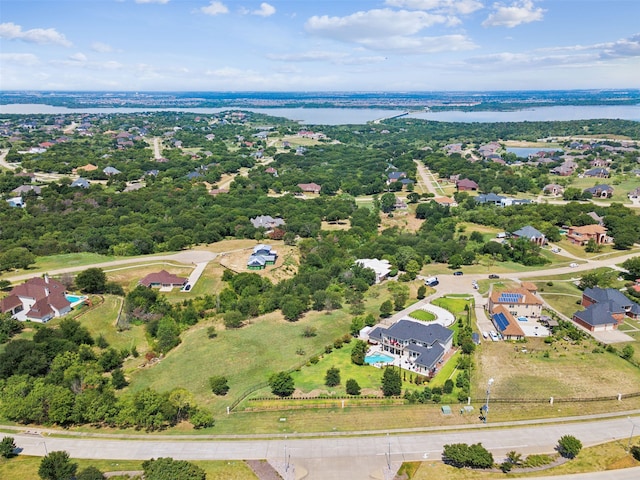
point(422, 315)
point(26, 467)
point(246, 356)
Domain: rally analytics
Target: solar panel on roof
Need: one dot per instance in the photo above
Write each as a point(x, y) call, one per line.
point(501, 321)
point(510, 297)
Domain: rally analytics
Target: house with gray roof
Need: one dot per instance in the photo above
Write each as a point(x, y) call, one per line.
point(423, 345)
point(605, 309)
point(600, 191)
point(111, 171)
point(489, 199)
point(266, 221)
point(80, 182)
point(531, 234)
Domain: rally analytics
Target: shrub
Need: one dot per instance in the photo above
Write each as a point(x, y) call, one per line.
point(569, 446)
point(281, 384)
point(202, 419)
point(211, 332)
point(219, 385)
point(352, 386)
point(310, 332)
point(462, 455)
point(7, 447)
point(328, 349)
point(337, 344)
point(635, 451)
point(332, 377)
point(315, 359)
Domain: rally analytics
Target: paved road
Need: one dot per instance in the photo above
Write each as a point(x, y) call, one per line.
point(331, 456)
point(187, 256)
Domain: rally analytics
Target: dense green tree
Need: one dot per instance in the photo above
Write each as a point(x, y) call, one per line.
point(91, 280)
point(391, 382)
point(18, 257)
point(57, 466)
point(170, 469)
point(332, 377)
point(281, 384)
point(386, 308)
point(118, 379)
point(352, 387)
point(358, 352)
point(90, 473)
point(219, 385)
point(168, 335)
point(632, 265)
point(7, 447)
point(462, 455)
point(569, 446)
point(627, 352)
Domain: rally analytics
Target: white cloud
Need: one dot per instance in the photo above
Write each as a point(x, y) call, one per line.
point(78, 57)
point(335, 58)
point(462, 7)
point(627, 47)
point(265, 10)
point(215, 8)
point(521, 11)
point(152, 1)
point(421, 45)
point(101, 47)
point(373, 24)
point(24, 59)
point(42, 36)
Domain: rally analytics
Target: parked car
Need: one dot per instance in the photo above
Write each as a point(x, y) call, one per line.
point(573, 265)
point(458, 273)
point(493, 275)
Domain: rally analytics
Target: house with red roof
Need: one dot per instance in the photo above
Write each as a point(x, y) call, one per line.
point(310, 187)
point(466, 185)
point(37, 299)
point(163, 280)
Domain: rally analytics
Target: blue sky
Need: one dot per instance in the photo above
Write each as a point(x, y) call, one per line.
point(328, 45)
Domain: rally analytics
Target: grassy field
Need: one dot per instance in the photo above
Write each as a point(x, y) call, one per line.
point(600, 458)
point(422, 315)
point(561, 370)
point(27, 468)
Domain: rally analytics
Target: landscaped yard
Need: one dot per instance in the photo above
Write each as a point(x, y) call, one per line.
point(423, 315)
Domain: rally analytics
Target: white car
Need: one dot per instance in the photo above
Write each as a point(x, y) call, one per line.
point(573, 265)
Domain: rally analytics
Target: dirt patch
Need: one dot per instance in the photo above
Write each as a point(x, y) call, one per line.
point(402, 219)
point(263, 470)
point(285, 267)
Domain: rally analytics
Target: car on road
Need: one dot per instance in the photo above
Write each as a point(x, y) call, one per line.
point(493, 275)
point(458, 273)
point(573, 265)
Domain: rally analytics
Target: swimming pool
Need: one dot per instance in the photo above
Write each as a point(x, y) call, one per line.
point(74, 298)
point(378, 358)
point(523, 319)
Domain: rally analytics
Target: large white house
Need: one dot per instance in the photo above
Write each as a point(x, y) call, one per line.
point(37, 299)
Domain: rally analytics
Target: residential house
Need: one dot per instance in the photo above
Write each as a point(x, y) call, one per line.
point(531, 234)
point(600, 191)
point(489, 198)
point(162, 280)
point(599, 220)
point(445, 201)
point(24, 189)
point(37, 299)
point(466, 185)
point(111, 171)
point(553, 189)
point(81, 183)
point(89, 167)
point(595, 295)
point(266, 221)
point(310, 187)
point(605, 309)
point(380, 267)
point(16, 202)
point(597, 173)
point(582, 235)
point(634, 195)
point(271, 171)
point(262, 256)
point(423, 345)
point(393, 177)
point(506, 324)
point(519, 302)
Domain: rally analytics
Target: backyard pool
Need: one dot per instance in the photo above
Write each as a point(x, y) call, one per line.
point(378, 358)
point(74, 299)
point(523, 319)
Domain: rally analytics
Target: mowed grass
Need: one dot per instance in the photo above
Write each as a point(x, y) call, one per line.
point(570, 371)
point(246, 356)
point(599, 458)
point(26, 467)
point(422, 315)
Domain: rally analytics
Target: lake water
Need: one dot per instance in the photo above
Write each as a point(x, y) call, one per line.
point(359, 116)
point(522, 152)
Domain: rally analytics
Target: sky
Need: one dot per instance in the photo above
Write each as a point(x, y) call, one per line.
point(319, 45)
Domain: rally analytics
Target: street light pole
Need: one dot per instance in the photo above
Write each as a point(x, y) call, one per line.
point(486, 405)
point(633, 426)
